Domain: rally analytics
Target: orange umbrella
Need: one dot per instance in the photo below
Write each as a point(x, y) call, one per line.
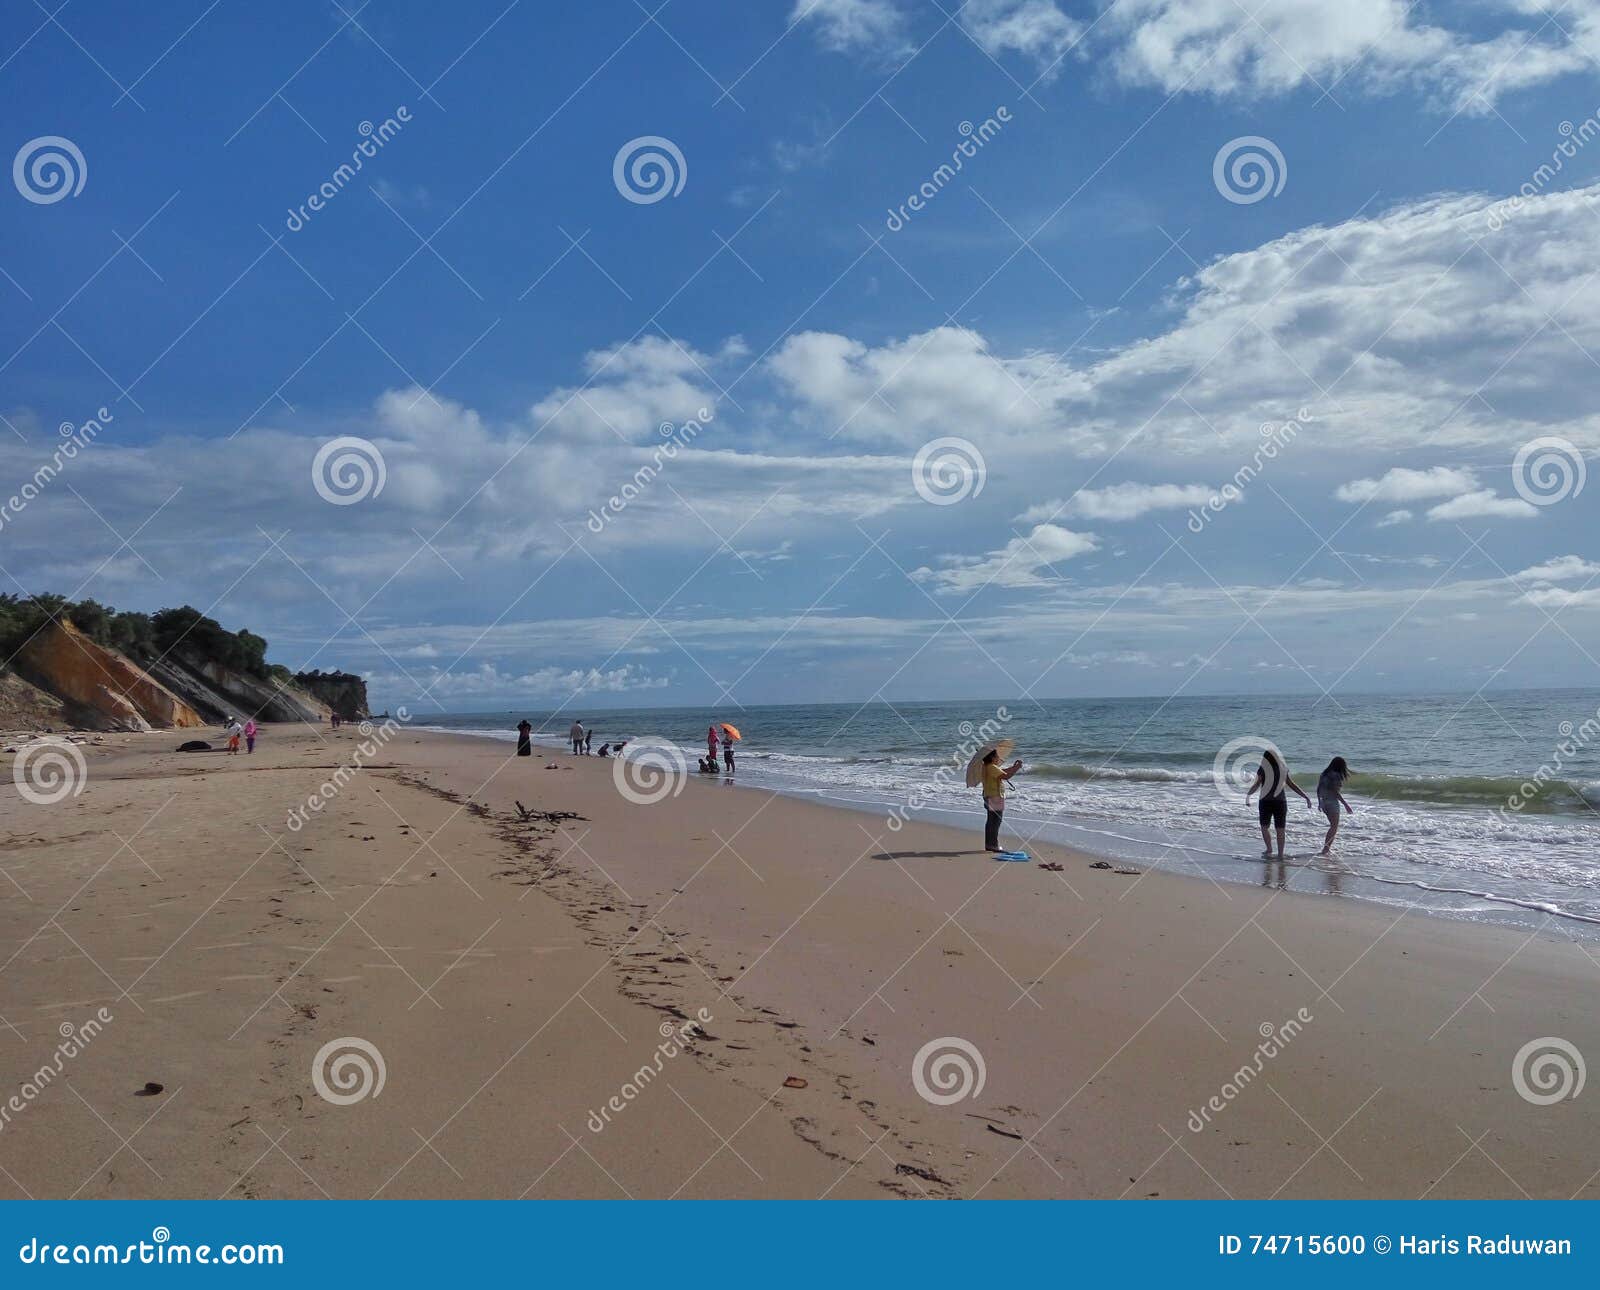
point(730, 732)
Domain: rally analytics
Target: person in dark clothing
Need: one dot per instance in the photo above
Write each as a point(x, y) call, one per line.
point(1273, 782)
point(995, 778)
point(524, 742)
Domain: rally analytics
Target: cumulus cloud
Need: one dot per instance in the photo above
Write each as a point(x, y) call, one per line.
point(1483, 504)
point(1125, 501)
point(1021, 562)
point(1405, 485)
point(633, 390)
point(1563, 568)
point(1553, 598)
point(1035, 29)
point(1213, 47)
point(1224, 49)
point(1336, 320)
point(546, 682)
point(1400, 315)
point(875, 27)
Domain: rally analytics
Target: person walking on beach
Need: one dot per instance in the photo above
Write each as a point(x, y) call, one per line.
point(1273, 780)
point(234, 730)
point(588, 738)
point(711, 743)
point(994, 796)
point(524, 740)
point(727, 755)
point(250, 735)
point(1330, 798)
point(576, 735)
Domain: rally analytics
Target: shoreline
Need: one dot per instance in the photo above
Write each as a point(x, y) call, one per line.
point(1193, 854)
point(516, 975)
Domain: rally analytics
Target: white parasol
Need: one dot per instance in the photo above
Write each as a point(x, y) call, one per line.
point(1003, 747)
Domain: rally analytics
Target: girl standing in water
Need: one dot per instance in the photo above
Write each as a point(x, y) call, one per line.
point(1272, 779)
point(1330, 798)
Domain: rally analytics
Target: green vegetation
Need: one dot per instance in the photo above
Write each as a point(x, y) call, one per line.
point(142, 637)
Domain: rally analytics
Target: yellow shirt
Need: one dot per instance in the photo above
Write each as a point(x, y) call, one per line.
point(994, 781)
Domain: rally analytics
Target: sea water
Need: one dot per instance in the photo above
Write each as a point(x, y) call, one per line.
point(1483, 806)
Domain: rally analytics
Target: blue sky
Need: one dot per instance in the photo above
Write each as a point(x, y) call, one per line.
point(1109, 323)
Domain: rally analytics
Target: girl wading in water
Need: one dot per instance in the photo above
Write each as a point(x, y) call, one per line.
point(1330, 798)
point(1272, 780)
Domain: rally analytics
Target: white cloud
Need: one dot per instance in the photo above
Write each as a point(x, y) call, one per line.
point(1128, 501)
point(875, 27)
point(1225, 49)
point(1358, 310)
point(546, 682)
point(1485, 504)
point(1561, 597)
point(1405, 485)
point(1562, 568)
point(1021, 562)
point(633, 390)
point(1401, 516)
point(1036, 29)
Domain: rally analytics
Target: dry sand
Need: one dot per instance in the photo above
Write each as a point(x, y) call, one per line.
point(516, 976)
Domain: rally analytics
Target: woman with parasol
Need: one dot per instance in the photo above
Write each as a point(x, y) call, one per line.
point(985, 769)
point(730, 734)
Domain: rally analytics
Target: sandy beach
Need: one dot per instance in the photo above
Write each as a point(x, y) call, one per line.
point(774, 967)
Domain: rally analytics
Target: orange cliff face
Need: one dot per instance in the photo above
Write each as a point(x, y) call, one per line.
point(110, 689)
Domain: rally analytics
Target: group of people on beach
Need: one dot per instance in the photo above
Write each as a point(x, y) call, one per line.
point(708, 763)
point(580, 739)
point(246, 730)
point(1272, 781)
